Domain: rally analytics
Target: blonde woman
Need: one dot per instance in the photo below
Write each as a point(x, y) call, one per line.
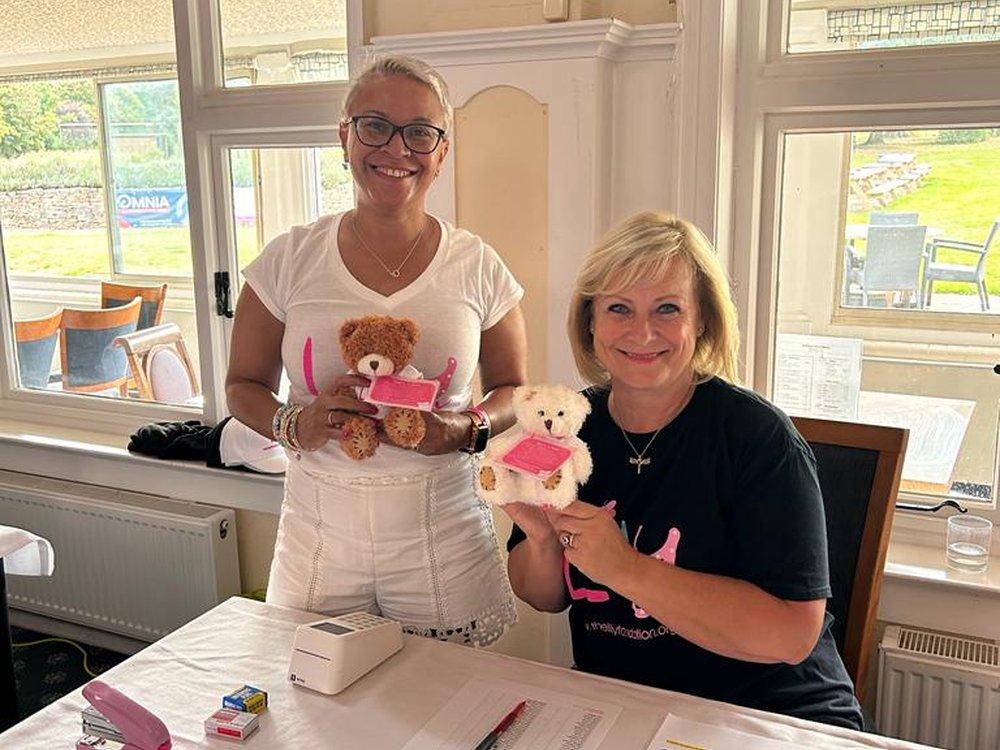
point(695, 557)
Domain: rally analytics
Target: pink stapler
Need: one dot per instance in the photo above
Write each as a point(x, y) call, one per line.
point(140, 728)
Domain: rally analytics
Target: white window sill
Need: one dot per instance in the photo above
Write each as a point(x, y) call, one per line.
point(93, 458)
point(920, 590)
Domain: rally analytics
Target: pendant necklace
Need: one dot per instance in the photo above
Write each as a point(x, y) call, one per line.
point(639, 459)
point(393, 272)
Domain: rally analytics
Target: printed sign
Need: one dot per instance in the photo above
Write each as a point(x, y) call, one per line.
point(151, 207)
point(536, 456)
point(392, 390)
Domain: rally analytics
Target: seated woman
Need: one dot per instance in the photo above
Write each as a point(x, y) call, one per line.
point(695, 558)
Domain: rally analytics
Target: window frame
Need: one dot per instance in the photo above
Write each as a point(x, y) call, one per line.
point(778, 94)
point(213, 119)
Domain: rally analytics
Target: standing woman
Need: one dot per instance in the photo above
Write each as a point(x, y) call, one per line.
point(695, 559)
point(400, 533)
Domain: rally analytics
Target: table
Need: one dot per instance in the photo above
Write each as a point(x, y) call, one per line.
point(183, 677)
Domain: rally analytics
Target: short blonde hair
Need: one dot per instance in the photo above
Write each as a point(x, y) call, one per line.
point(401, 65)
point(641, 248)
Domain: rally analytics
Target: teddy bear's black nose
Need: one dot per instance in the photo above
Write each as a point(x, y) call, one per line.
point(548, 425)
point(373, 365)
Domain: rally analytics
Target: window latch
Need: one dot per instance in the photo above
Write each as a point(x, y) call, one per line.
point(223, 295)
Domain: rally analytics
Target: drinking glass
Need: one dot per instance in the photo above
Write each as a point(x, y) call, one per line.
point(968, 547)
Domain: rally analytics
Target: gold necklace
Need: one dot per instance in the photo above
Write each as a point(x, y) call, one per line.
point(393, 272)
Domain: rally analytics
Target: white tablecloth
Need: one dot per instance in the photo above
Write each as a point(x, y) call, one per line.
point(183, 677)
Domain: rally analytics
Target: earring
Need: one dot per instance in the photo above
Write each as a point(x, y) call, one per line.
point(345, 165)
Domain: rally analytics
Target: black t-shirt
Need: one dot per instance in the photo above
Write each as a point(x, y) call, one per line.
point(730, 489)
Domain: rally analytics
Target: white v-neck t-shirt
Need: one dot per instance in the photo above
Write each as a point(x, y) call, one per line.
point(301, 279)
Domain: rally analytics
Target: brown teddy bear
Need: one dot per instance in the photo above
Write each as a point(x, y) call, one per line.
point(377, 345)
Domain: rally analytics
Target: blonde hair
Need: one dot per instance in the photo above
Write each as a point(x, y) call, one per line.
point(641, 248)
point(401, 65)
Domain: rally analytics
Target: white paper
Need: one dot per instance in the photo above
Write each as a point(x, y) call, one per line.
point(937, 428)
point(681, 734)
point(817, 376)
point(551, 720)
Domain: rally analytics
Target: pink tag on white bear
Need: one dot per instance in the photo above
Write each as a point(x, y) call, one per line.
point(536, 456)
point(408, 393)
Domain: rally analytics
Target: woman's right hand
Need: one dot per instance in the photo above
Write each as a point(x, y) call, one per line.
point(322, 419)
point(532, 520)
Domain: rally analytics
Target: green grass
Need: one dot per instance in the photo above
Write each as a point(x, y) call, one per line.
point(149, 251)
point(961, 195)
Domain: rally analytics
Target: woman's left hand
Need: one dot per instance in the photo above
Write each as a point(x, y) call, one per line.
point(598, 548)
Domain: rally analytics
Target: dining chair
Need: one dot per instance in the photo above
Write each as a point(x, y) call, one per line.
point(90, 361)
point(160, 364)
point(114, 294)
point(36, 341)
point(893, 218)
point(859, 468)
point(966, 273)
point(893, 257)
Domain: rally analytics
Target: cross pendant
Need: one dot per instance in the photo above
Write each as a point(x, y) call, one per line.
point(638, 463)
point(394, 274)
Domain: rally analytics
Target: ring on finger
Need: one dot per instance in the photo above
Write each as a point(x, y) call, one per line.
point(566, 539)
point(330, 423)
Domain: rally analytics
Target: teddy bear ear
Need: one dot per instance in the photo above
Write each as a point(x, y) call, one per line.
point(410, 328)
point(524, 393)
point(348, 328)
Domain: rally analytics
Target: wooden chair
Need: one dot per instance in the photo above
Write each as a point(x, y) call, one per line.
point(36, 341)
point(859, 468)
point(90, 362)
point(160, 364)
point(116, 295)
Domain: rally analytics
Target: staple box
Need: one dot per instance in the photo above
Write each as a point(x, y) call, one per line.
point(231, 724)
point(247, 698)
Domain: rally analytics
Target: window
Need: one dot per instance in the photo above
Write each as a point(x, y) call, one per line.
point(95, 166)
point(825, 25)
point(873, 275)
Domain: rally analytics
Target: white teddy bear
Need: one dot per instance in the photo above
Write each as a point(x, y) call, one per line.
point(554, 413)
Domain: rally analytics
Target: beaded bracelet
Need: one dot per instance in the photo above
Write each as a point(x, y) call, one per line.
point(284, 426)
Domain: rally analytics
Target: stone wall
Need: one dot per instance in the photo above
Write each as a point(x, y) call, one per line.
point(55, 208)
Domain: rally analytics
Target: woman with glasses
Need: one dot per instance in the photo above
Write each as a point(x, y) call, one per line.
point(400, 532)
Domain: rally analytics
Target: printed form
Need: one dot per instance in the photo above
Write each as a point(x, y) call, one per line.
point(551, 720)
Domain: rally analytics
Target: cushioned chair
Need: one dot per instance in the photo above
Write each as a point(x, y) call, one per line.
point(36, 341)
point(116, 295)
point(90, 362)
point(160, 364)
point(967, 273)
point(892, 263)
point(859, 468)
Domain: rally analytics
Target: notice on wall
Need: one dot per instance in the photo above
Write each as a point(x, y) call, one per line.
point(817, 376)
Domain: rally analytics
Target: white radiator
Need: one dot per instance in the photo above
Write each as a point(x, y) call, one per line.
point(137, 565)
point(938, 689)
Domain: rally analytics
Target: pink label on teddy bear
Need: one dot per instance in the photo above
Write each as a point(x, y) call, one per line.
point(391, 390)
point(536, 456)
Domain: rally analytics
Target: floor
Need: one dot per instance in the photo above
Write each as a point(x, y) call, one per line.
point(46, 667)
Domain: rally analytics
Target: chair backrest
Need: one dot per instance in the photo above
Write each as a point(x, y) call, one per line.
point(859, 467)
point(36, 341)
point(116, 295)
point(893, 256)
point(90, 362)
point(893, 218)
point(160, 363)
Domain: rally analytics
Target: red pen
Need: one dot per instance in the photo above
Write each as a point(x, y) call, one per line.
point(491, 739)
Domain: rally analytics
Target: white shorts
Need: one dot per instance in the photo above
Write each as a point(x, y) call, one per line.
point(421, 550)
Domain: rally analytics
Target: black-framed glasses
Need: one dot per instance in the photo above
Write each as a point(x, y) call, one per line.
point(418, 137)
